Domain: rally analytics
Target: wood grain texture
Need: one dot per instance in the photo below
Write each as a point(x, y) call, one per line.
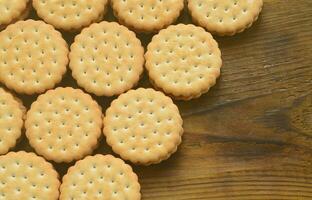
point(250, 137)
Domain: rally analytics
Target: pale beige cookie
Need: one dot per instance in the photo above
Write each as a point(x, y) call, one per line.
point(143, 126)
point(147, 16)
point(33, 56)
point(70, 15)
point(23, 16)
point(225, 17)
point(106, 59)
point(183, 60)
point(64, 124)
point(12, 10)
point(11, 120)
point(27, 176)
point(100, 177)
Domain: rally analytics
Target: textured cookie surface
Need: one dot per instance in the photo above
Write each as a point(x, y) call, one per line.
point(147, 16)
point(183, 61)
point(70, 14)
point(106, 59)
point(143, 126)
point(11, 10)
point(225, 17)
point(11, 120)
point(33, 56)
point(64, 124)
point(100, 178)
point(27, 176)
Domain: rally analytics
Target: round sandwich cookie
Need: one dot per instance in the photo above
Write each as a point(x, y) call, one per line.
point(27, 176)
point(225, 17)
point(64, 124)
point(70, 15)
point(147, 16)
point(106, 59)
point(11, 120)
point(100, 177)
point(143, 126)
point(12, 11)
point(184, 61)
point(33, 56)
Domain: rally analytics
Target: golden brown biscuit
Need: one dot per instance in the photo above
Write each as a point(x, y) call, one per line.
point(33, 56)
point(100, 177)
point(106, 59)
point(27, 176)
point(11, 120)
point(184, 61)
point(225, 17)
point(70, 15)
point(147, 16)
point(12, 10)
point(143, 126)
point(64, 124)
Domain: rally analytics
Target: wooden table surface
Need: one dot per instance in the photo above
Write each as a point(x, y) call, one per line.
point(250, 137)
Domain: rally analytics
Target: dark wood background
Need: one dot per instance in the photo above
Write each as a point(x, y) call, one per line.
point(250, 137)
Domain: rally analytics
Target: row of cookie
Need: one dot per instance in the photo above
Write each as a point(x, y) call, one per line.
point(107, 59)
point(64, 124)
point(220, 17)
point(28, 176)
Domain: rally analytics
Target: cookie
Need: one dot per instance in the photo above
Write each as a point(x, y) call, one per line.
point(70, 15)
point(13, 10)
point(225, 17)
point(64, 124)
point(11, 120)
point(147, 16)
point(184, 61)
point(33, 57)
point(143, 126)
point(27, 176)
point(106, 59)
point(100, 177)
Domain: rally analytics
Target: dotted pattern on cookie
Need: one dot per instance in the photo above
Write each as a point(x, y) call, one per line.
point(225, 17)
point(147, 16)
point(100, 178)
point(27, 176)
point(11, 120)
point(33, 56)
point(64, 124)
point(143, 126)
point(24, 14)
point(183, 61)
point(70, 14)
point(106, 59)
point(11, 10)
